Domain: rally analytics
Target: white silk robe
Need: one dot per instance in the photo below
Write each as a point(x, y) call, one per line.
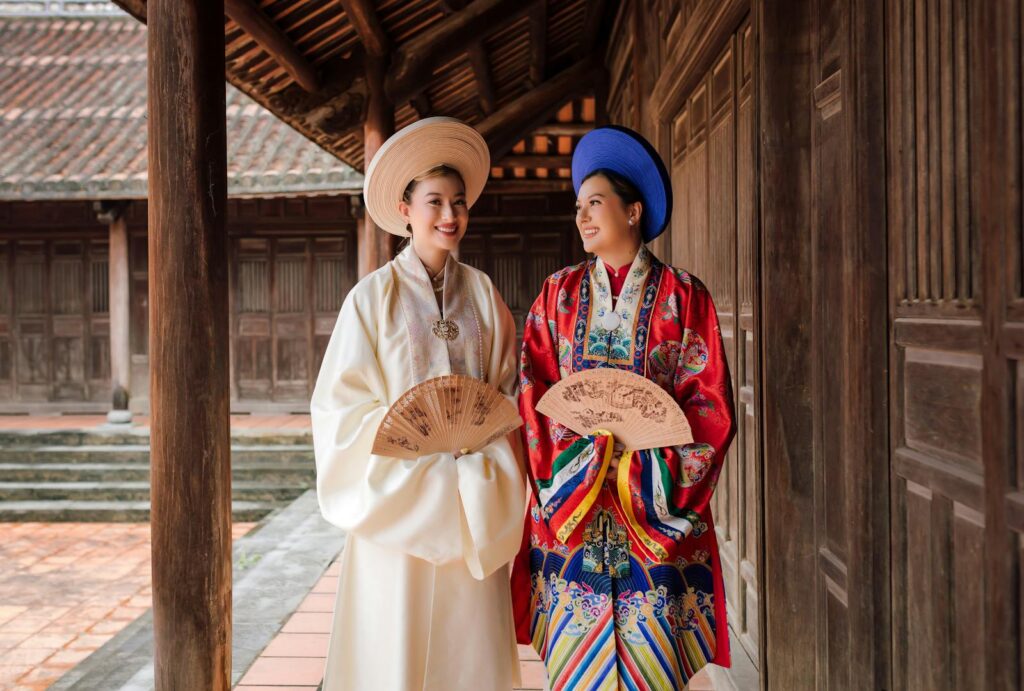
point(423, 597)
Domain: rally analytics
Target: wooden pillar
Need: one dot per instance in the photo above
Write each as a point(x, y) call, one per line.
point(189, 392)
point(786, 84)
point(376, 246)
point(120, 345)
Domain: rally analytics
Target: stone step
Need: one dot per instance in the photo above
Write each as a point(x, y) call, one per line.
point(275, 454)
point(103, 437)
point(108, 511)
point(13, 492)
point(128, 472)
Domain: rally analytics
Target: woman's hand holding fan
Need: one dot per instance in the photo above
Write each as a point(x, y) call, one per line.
point(449, 414)
point(637, 412)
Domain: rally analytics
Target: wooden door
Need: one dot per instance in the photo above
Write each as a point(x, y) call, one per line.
point(286, 294)
point(519, 262)
point(54, 327)
point(714, 236)
point(957, 319)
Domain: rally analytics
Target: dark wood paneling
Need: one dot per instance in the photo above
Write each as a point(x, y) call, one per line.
point(714, 231)
point(951, 405)
point(287, 291)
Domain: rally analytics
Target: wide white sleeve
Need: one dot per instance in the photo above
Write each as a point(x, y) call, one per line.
point(409, 506)
point(491, 482)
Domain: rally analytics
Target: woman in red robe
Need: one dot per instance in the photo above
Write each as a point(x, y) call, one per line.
point(623, 593)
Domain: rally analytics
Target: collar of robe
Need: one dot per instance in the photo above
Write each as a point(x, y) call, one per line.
point(617, 315)
point(441, 341)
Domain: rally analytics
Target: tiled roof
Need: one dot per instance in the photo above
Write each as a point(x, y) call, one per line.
point(73, 119)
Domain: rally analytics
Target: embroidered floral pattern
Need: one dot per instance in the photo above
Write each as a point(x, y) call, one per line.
point(694, 357)
point(696, 460)
point(662, 363)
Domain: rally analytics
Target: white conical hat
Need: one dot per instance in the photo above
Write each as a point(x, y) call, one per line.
point(414, 150)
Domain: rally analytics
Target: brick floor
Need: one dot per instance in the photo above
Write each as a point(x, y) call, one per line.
point(65, 590)
point(294, 660)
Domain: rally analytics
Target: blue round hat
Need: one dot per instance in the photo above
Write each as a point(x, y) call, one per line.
point(627, 153)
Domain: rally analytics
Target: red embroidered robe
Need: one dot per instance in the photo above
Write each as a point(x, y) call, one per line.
point(624, 593)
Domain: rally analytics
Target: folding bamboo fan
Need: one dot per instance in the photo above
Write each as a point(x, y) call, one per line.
point(445, 414)
point(637, 412)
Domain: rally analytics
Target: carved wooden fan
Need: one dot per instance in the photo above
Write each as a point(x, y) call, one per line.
point(637, 412)
point(451, 413)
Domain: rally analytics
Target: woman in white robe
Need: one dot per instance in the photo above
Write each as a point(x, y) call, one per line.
point(423, 597)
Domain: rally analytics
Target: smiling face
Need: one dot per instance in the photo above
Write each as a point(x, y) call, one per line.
point(603, 218)
point(437, 212)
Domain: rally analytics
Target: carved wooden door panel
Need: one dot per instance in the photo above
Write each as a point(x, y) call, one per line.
point(957, 322)
point(292, 343)
point(286, 296)
point(714, 235)
point(519, 262)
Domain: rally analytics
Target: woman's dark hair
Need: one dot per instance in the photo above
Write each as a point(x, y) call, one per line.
point(625, 189)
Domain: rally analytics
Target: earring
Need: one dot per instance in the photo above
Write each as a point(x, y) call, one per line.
point(631, 221)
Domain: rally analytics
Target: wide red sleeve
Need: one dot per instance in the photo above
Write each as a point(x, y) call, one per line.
point(538, 372)
point(703, 389)
point(566, 471)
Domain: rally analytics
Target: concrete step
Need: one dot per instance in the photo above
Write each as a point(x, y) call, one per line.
point(128, 472)
point(274, 454)
point(134, 491)
point(63, 475)
point(103, 437)
point(108, 511)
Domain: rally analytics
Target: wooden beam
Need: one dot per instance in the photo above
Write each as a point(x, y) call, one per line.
point(337, 107)
point(527, 186)
point(535, 161)
point(271, 39)
point(416, 60)
point(564, 129)
point(538, 42)
point(421, 104)
point(531, 110)
point(363, 17)
point(136, 8)
point(482, 73)
point(591, 28)
point(450, 6)
point(188, 346)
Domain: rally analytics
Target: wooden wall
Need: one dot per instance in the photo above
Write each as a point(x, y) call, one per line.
point(692, 92)
point(851, 191)
point(954, 124)
point(292, 261)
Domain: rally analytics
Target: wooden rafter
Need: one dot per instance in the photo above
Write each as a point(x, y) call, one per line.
point(482, 74)
point(450, 6)
point(507, 126)
point(338, 106)
point(421, 104)
point(271, 39)
point(591, 28)
point(538, 42)
point(414, 62)
point(363, 17)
